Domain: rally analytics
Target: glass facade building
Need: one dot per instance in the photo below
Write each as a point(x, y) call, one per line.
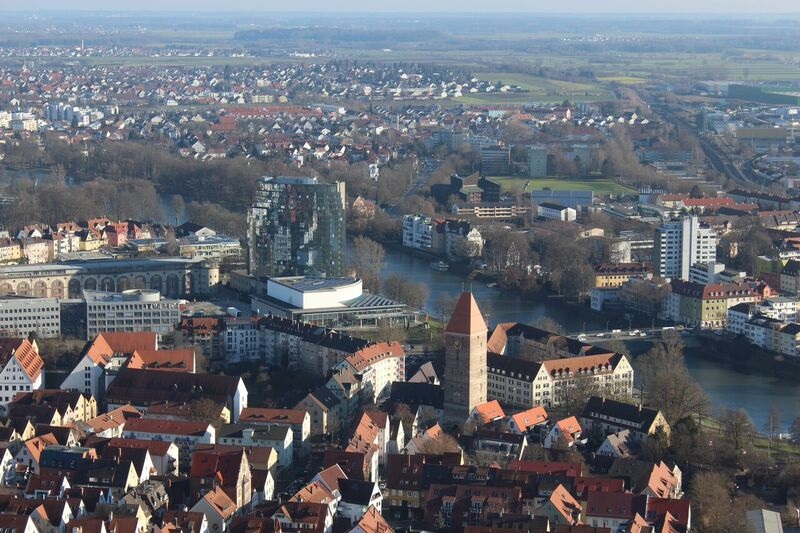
point(296, 227)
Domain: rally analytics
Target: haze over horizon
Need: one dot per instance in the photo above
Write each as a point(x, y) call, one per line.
point(411, 6)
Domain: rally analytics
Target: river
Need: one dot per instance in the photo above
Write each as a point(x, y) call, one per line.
point(726, 387)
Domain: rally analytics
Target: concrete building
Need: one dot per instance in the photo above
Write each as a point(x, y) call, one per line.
point(328, 302)
point(465, 360)
point(296, 226)
point(174, 277)
point(134, 310)
point(537, 161)
point(418, 232)
point(679, 244)
point(552, 211)
point(495, 161)
point(19, 316)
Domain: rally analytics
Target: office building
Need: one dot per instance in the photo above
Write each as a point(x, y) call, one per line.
point(679, 244)
point(296, 226)
point(465, 360)
point(135, 310)
point(537, 161)
point(21, 316)
point(495, 161)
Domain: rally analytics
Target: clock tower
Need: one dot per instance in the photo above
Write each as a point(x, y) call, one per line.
point(465, 360)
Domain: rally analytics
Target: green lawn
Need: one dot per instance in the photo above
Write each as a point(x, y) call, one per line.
point(539, 89)
point(599, 186)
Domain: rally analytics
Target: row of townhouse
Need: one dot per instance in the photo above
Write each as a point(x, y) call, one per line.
point(539, 495)
point(706, 306)
point(279, 341)
point(764, 331)
point(363, 378)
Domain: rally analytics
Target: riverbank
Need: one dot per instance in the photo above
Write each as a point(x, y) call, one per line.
point(741, 356)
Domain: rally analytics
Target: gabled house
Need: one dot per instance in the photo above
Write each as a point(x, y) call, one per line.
point(225, 467)
point(187, 434)
point(218, 508)
point(111, 424)
point(608, 416)
point(299, 422)
point(357, 497)
point(105, 350)
point(561, 508)
point(564, 434)
point(22, 368)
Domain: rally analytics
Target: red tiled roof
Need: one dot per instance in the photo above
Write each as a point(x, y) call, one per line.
point(529, 418)
point(259, 415)
point(466, 318)
point(165, 427)
point(173, 360)
point(489, 411)
point(25, 352)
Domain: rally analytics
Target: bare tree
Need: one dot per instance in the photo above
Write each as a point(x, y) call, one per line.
point(737, 428)
point(668, 385)
point(367, 261)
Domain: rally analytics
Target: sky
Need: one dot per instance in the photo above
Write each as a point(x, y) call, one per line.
point(447, 6)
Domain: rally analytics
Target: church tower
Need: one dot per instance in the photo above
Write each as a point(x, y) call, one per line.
point(465, 360)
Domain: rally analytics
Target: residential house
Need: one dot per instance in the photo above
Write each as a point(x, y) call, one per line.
point(185, 435)
point(564, 434)
point(22, 368)
point(610, 416)
point(218, 508)
point(299, 422)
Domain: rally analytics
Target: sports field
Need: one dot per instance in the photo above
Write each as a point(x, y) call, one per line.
point(599, 186)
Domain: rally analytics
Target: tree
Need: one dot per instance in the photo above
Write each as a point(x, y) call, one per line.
point(445, 304)
point(178, 206)
point(795, 430)
point(367, 262)
point(737, 428)
point(711, 494)
point(668, 385)
point(772, 426)
point(401, 289)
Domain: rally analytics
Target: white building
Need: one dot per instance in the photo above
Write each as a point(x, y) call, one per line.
point(186, 435)
point(278, 437)
point(243, 340)
point(552, 211)
point(418, 232)
point(680, 244)
point(19, 316)
point(131, 311)
point(706, 273)
point(23, 368)
point(779, 307)
point(523, 383)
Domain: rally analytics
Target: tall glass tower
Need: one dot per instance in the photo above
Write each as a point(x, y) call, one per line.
point(296, 227)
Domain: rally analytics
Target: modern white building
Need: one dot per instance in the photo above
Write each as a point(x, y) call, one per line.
point(679, 244)
point(706, 273)
point(418, 232)
point(133, 310)
point(552, 211)
point(19, 316)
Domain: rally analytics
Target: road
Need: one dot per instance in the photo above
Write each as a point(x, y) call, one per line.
point(427, 167)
